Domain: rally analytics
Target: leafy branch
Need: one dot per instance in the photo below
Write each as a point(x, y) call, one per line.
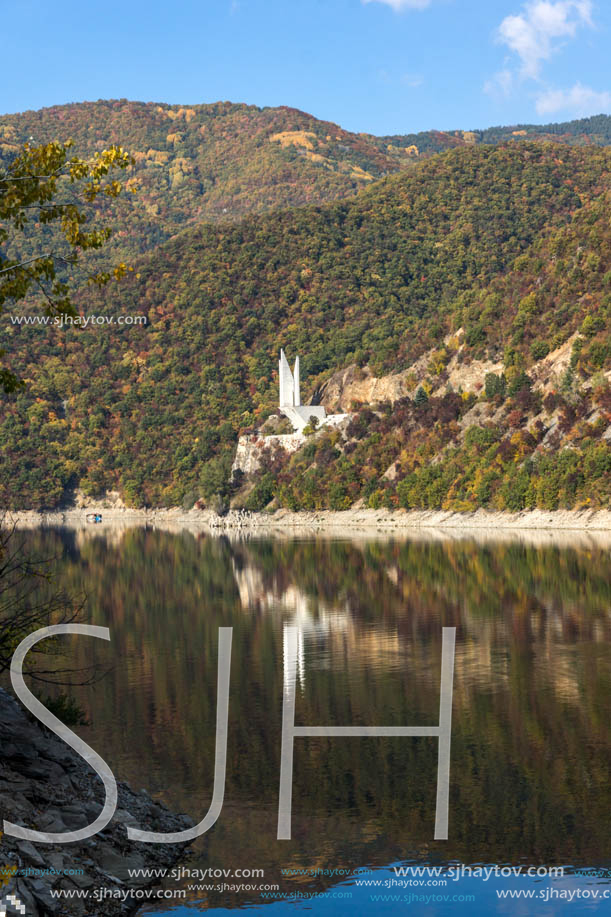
point(28, 194)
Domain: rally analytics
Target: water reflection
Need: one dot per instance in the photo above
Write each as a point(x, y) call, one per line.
point(531, 746)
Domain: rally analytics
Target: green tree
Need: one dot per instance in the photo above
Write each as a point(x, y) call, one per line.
point(421, 398)
point(43, 186)
point(495, 385)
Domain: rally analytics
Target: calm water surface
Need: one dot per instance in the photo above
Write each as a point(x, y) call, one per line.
point(531, 738)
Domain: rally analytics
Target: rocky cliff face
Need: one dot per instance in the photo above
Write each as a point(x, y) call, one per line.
point(459, 371)
point(250, 449)
point(46, 786)
point(355, 385)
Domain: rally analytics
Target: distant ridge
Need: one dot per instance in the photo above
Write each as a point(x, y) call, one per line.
point(222, 161)
point(594, 130)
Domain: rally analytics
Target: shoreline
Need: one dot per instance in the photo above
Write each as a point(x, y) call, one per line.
point(579, 521)
point(47, 784)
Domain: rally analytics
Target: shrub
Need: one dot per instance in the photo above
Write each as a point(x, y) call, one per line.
point(591, 325)
point(539, 350)
point(190, 499)
point(66, 709)
point(261, 495)
point(520, 381)
point(219, 504)
point(480, 438)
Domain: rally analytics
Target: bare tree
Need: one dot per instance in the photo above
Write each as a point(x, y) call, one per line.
point(29, 600)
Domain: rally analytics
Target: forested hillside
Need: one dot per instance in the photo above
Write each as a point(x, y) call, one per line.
point(207, 163)
point(482, 253)
point(585, 131)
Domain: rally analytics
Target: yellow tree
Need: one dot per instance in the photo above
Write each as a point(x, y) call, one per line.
point(46, 186)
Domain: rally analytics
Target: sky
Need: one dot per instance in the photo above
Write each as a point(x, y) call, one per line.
point(378, 66)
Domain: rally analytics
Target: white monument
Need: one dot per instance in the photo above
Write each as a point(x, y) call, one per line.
point(290, 398)
point(249, 451)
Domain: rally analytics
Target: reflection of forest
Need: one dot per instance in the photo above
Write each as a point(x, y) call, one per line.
point(553, 621)
point(531, 746)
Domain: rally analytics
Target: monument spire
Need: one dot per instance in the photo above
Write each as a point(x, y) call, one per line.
point(296, 384)
point(287, 383)
point(299, 414)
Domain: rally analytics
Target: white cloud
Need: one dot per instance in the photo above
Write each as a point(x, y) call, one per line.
point(501, 84)
point(537, 32)
point(413, 80)
point(579, 100)
point(400, 5)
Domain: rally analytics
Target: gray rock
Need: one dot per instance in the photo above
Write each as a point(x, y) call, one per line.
point(27, 898)
point(78, 908)
point(118, 864)
point(45, 786)
point(42, 896)
point(126, 818)
point(29, 854)
point(50, 821)
point(74, 820)
point(56, 859)
point(35, 769)
point(87, 880)
point(92, 810)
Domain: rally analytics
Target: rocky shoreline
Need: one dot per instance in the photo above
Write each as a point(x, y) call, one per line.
point(322, 520)
point(47, 786)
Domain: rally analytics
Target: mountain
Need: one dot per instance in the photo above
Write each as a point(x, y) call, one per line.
point(582, 132)
point(208, 162)
point(220, 162)
point(481, 274)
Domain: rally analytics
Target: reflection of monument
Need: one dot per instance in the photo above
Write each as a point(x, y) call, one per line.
point(325, 631)
point(290, 399)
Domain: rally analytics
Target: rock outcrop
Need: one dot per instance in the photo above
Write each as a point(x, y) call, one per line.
point(251, 448)
point(45, 785)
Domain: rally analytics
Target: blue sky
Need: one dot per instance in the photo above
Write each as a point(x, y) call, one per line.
point(381, 66)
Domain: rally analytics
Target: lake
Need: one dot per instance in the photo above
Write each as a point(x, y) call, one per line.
point(531, 741)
